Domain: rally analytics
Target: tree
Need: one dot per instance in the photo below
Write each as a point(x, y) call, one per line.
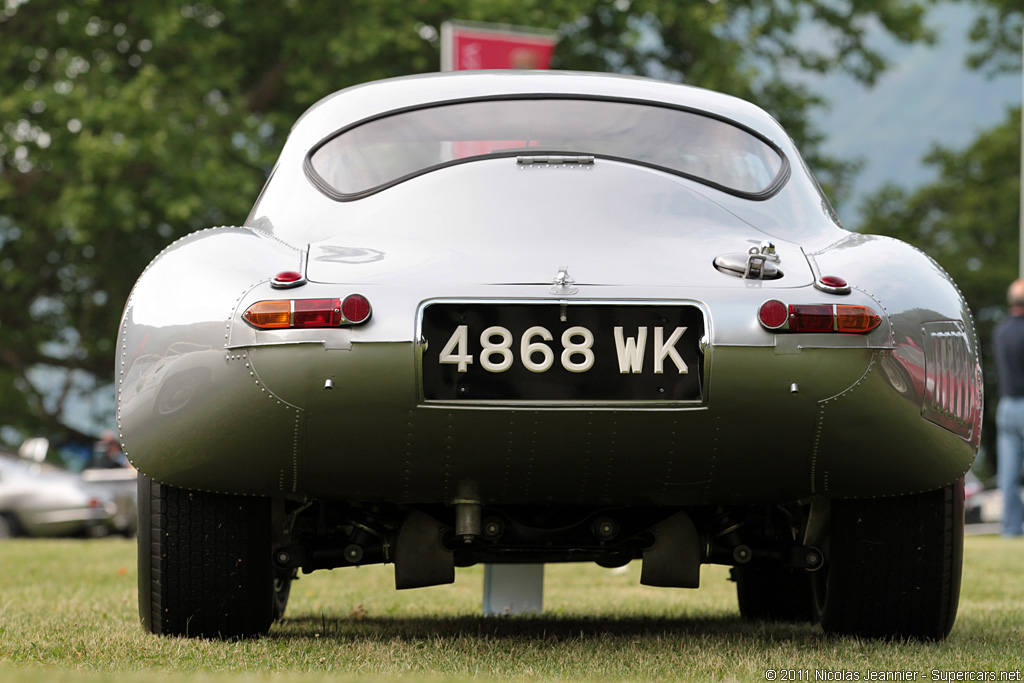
point(998, 35)
point(967, 219)
point(126, 124)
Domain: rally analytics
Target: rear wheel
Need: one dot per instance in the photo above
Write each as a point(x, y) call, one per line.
point(282, 589)
point(774, 593)
point(8, 527)
point(204, 563)
point(894, 565)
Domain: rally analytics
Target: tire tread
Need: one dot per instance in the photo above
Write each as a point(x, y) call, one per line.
point(204, 563)
point(895, 565)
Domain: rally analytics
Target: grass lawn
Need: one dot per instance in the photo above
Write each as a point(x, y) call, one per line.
point(68, 612)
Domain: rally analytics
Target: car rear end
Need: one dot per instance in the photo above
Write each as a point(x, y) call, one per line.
point(438, 342)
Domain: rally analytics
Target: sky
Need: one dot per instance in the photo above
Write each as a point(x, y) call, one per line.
point(927, 97)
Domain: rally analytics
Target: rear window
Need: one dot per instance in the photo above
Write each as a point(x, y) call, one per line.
point(380, 152)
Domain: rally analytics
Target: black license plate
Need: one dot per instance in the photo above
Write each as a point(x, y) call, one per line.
point(562, 352)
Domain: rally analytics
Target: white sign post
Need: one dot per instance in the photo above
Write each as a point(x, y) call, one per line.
point(513, 589)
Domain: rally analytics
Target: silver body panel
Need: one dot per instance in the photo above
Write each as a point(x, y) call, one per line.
point(206, 401)
point(44, 501)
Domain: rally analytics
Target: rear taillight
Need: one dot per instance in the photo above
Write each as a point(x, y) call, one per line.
point(316, 313)
point(821, 318)
point(811, 318)
point(284, 314)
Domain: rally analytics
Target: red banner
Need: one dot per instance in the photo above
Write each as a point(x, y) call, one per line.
point(466, 45)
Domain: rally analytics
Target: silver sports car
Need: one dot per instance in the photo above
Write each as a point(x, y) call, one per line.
point(511, 317)
point(42, 500)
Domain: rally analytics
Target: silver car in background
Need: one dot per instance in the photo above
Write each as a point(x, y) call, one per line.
point(548, 317)
point(42, 500)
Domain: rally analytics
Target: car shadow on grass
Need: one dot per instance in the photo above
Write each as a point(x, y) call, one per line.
point(537, 628)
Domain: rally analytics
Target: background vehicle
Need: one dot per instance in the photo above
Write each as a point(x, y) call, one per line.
point(546, 317)
point(98, 467)
point(40, 500)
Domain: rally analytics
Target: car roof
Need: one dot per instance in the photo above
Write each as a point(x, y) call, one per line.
point(367, 100)
point(797, 212)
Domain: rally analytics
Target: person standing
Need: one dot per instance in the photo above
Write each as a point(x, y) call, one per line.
point(1009, 351)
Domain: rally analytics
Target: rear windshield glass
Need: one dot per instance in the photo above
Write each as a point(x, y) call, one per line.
point(386, 150)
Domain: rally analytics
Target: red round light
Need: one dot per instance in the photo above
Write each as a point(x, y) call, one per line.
point(833, 281)
point(773, 314)
point(355, 308)
point(287, 279)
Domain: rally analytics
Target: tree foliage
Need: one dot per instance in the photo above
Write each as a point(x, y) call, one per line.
point(998, 33)
point(126, 124)
point(967, 219)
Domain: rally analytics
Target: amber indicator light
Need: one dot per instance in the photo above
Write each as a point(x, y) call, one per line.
point(856, 319)
point(269, 315)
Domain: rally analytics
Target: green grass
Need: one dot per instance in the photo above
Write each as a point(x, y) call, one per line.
point(68, 612)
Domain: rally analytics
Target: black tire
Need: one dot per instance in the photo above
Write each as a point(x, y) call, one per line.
point(8, 526)
point(774, 593)
point(204, 563)
point(282, 590)
point(894, 566)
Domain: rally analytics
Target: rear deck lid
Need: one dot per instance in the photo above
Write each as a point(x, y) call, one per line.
point(500, 221)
